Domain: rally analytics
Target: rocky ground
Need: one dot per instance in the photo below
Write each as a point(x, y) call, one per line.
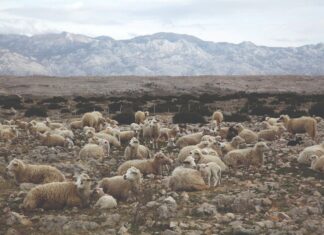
point(280, 198)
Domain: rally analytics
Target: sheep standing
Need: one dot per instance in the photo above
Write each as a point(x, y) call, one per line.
point(78, 124)
point(186, 179)
point(152, 132)
point(248, 156)
point(95, 151)
point(212, 171)
point(168, 133)
point(248, 135)
point(300, 125)
point(135, 150)
point(218, 117)
point(93, 119)
point(122, 187)
point(57, 195)
point(140, 117)
point(146, 166)
point(36, 174)
point(105, 201)
point(126, 136)
point(317, 163)
point(304, 156)
point(37, 127)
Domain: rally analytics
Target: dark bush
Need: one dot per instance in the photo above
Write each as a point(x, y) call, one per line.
point(293, 112)
point(87, 107)
point(65, 110)
point(114, 107)
point(28, 100)
point(231, 133)
point(37, 111)
point(54, 106)
point(261, 111)
point(124, 118)
point(317, 109)
point(188, 117)
point(55, 99)
point(236, 117)
point(11, 101)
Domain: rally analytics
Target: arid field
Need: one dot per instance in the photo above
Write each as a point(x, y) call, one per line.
point(281, 196)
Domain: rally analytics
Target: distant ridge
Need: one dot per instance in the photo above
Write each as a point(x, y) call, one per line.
point(67, 54)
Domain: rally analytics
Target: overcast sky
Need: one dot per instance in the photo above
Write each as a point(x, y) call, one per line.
point(264, 22)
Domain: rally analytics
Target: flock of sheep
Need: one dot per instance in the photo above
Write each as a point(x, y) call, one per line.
point(205, 153)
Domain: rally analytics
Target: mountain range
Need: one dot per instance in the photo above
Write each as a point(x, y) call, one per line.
point(67, 54)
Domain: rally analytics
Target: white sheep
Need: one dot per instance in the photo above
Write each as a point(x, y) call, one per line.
point(249, 156)
point(185, 151)
point(105, 201)
point(218, 117)
point(124, 186)
point(304, 156)
point(201, 158)
point(234, 144)
point(135, 150)
point(152, 132)
point(168, 133)
point(300, 125)
point(186, 179)
point(317, 163)
point(191, 139)
point(93, 119)
point(212, 171)
point(36, 174)
point(140, 116)
point(189, 162)
point(273, 133)
point(56, 195)
point(100, 151)
point(248, 135)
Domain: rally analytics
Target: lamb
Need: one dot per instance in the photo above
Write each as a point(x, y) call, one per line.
point(136, 151)
point(57, 195)
point(51, 140)
point(168, 133)
point(105, 201)
point(147, 166)
point(136, 128)
point(208, 138)
point(304, 156)
point(100, 151)
point(218, 117)
point(212, 171)
point(272, 133)
point(152, 132)
point(191, 139)
point(317, 163)
point(63, 132)
point(300, 125)
point(93, 119)
point(123, 187)
point(234, 144)
point(140, 117)
point(201, 158)
point(36, 174)
point(249, 156)
point(186, 179)
point(248, 135)
point(185, 151)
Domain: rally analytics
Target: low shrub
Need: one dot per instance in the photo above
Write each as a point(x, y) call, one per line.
point(124, 118)
point(37, 111)
point(188, 117)
point(237, 117)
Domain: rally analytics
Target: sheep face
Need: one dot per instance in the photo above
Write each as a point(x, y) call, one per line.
point(238, 127)
point(134, 142)
point(14, 166)
point(283, 118)
point(98, 192)
point(83, 181)
point(238, 140)
point(146, 114)
point(162, 159)
point(204, 144)
point(190, 162)
point(203, 168)
point(262, 147)
point(313, 158)
point(133, 174)
point(171, 143)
